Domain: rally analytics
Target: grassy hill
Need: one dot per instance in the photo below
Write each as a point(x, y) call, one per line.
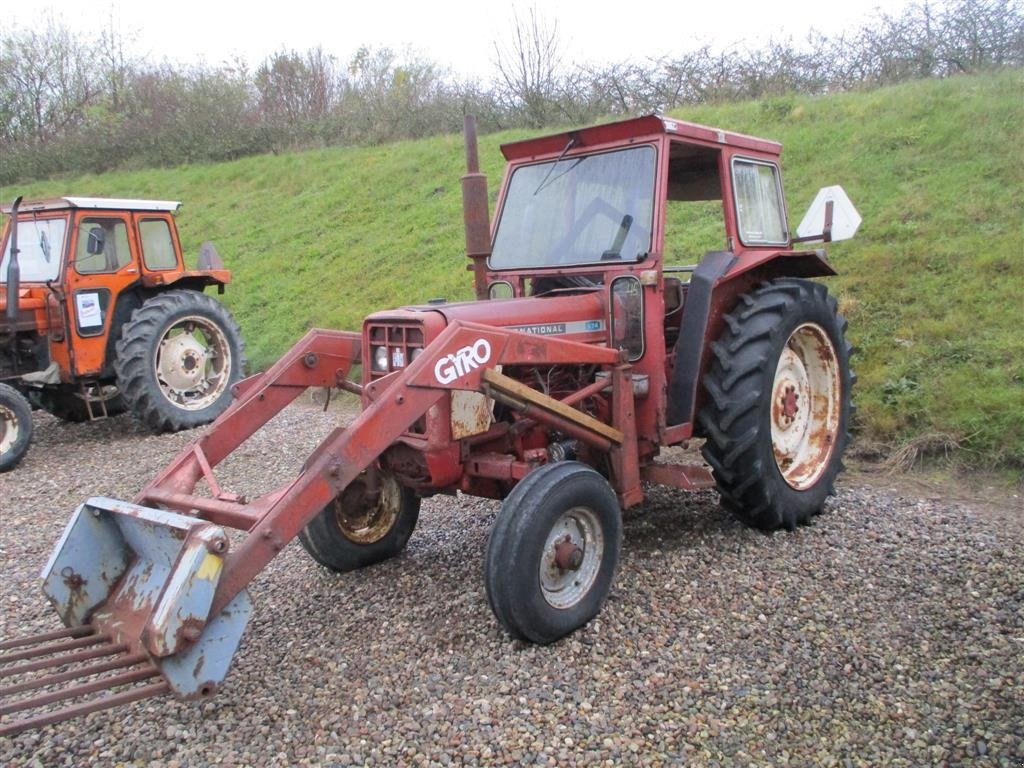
point(933, 284)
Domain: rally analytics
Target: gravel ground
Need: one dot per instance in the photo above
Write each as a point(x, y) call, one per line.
point(890, 632)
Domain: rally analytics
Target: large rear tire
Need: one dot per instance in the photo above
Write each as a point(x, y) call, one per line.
point(356, 530)
point(553, 551)
point(777, 408)
point(15, 427)
point(177, 359)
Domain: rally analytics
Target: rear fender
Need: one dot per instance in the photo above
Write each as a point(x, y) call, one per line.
point(685, 400)
point(196, 279)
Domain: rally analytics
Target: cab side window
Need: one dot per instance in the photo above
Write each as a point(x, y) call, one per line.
point(694, 223)
point(102, 245)
point(762, 219)
point(157, 244)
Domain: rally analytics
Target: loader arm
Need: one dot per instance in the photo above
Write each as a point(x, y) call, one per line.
point(399, 402)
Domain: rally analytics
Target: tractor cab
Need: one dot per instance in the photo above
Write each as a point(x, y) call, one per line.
point(74, 274)
point(632, 235)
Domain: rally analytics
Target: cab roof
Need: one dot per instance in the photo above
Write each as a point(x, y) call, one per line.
point(646, 127)
point(96, 203)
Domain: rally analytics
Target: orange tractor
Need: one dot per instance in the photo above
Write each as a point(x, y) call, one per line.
point(597, 339)
point(100, 315)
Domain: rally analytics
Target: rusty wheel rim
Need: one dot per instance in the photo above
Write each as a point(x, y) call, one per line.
point(193, 363)
point(8, 429)
point(805, 408)
point(362, 522)
point(572, 558)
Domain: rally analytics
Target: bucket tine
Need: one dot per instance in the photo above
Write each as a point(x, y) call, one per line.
point(66, 650)
point(73, 692)
point(85, 708)
point(74, 674)
point(50, 648)
point(57, 661)
point(45, 637)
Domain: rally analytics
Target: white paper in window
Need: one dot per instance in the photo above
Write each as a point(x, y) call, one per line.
point(88, 307)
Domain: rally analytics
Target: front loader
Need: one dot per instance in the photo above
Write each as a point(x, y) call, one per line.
point(587, 350)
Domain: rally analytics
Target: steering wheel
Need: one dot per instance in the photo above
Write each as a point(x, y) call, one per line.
point(597, 207)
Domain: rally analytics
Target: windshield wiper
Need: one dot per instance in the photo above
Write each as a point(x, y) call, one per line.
point(570, 145)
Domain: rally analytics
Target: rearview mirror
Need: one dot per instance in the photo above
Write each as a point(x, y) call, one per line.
point(831, 217)
point(44, 244)
point(97, 239)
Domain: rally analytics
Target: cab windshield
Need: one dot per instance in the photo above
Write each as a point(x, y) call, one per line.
point(578, 210)
point(40, 248)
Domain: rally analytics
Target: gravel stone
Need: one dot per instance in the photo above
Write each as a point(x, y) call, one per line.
point(889, 632)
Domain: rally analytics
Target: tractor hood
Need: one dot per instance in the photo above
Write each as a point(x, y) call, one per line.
point(580, 316)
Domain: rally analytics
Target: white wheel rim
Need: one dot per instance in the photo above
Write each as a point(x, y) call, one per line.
point(362, 524)
point(571, 558)
point(805, 409)
point(193, 363)
point(9, 429)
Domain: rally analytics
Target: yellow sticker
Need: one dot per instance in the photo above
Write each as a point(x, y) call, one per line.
point(210, 567)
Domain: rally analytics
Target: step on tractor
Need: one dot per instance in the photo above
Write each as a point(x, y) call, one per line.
point(597, 338)
point(99, 315)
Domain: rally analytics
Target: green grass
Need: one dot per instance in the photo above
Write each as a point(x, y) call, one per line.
point(933, 284)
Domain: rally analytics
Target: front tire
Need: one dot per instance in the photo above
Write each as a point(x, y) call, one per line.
point(777, 412)
point(15, 427)
point(177, 359)
point(354, 530)
point(553, 551)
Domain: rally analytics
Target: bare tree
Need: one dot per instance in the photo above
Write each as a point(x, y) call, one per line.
point(47, 80)
point(530, 69)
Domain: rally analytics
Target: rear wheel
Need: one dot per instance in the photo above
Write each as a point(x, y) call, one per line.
point(15, 427)
point(177, 359)
point(552, 552)
point(778, 409)
point(362, 527)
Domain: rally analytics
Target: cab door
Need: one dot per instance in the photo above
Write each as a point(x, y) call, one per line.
point(102, 263)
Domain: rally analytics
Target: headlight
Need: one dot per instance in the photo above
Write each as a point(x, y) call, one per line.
point(415, 353)
point(380, 358)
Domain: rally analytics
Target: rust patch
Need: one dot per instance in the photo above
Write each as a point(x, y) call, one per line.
point(73, 581)
point(190, 631)
point(790, 400)
point(568, 556)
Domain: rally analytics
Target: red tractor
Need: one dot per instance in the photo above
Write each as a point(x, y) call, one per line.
point(101, 315)
point(597, 339)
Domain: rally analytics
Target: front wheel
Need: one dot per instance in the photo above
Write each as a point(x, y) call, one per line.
point(367, 523)
point(777, 407)
point(177, 359)
point(553, 551)
point(15, 427)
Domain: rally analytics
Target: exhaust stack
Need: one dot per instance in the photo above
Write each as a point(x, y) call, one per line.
point(475, 212)
point(14, 271)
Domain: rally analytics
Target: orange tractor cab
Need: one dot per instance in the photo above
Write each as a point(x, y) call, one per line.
point(101, 315)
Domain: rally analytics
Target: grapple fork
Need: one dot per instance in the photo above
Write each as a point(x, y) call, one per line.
point(76, 663)
point(134, 588)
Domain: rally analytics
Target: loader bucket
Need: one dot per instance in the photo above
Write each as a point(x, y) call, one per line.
point(134, 587)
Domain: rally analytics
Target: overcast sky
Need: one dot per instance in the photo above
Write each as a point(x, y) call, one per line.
point(455, 33)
